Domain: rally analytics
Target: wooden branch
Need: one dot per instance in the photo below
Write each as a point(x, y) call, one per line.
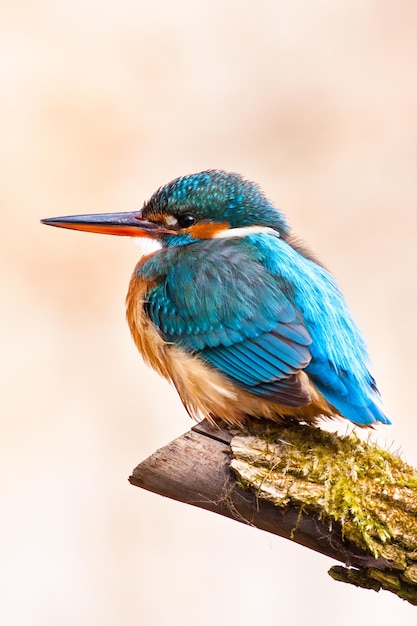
point(197, 469)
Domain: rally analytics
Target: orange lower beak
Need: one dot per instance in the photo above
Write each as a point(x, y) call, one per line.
point(123, 224)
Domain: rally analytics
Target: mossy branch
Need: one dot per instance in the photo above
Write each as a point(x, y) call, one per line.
point(369, 492)
point(340, 496)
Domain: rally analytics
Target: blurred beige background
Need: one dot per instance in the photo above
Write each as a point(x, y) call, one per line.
point(102, 102)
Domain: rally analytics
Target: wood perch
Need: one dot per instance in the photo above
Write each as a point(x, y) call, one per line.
point(339, 496)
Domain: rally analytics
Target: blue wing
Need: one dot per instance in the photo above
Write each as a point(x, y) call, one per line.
point(259, 311)
point(225, 306)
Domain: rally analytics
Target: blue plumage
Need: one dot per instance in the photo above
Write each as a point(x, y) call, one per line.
point(259, 311)
point(234, 311)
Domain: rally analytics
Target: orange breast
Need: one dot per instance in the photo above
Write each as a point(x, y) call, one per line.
point(205, 391)
point(145, 335)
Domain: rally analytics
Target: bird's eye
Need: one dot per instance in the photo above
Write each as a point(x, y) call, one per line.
point(186, 220)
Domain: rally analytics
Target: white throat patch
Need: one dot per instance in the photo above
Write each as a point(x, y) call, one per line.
point(146, 245)
point(245, 231)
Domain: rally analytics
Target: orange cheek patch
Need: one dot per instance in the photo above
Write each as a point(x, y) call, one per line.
point(207, 230)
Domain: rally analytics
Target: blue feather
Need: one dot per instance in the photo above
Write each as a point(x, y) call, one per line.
point(231, 286)
point(259, 311)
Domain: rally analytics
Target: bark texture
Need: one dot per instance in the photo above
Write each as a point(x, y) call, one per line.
point(340, 496)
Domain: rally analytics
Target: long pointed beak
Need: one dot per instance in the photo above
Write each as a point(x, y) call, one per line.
point(124, 224)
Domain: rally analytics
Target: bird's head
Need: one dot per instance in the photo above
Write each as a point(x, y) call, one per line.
point(209, 204)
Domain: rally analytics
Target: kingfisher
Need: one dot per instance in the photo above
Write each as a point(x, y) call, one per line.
point(229, 306)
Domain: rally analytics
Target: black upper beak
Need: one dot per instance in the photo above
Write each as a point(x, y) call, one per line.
point(125, 224)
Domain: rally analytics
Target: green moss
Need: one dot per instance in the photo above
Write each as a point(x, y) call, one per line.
point(370, 492)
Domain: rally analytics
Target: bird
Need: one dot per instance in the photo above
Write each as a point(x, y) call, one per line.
point(239, 315)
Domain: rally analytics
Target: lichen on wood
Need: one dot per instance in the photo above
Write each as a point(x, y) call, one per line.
point(370, 492)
